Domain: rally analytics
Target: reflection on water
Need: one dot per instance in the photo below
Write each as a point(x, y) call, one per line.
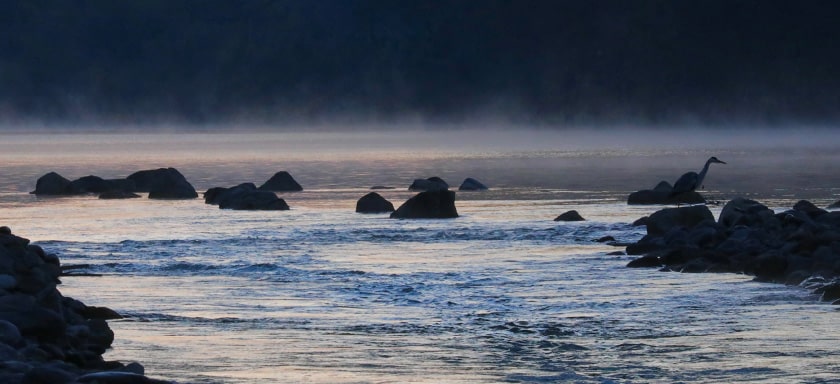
point(501, 294)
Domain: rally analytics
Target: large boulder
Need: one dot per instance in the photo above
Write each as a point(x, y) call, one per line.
point(662, 195)
point(281, 182)
point(663, 220)
point(742, 211)
point(433, 183)
point(163, 183)
point(373, 203)
point(439, 204)
point(471, 184)
point(52, 184)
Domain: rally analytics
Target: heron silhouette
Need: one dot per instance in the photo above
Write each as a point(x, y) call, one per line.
point(691, 180)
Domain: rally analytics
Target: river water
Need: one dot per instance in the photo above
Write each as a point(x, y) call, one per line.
point(320, 294)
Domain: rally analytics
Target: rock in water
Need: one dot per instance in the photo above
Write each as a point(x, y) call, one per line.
point(438, 204)
point(433, 183)
point(245, 196)
point(471, 184)
point(570, 216)
point(52, 184)
point(373, 203)
point(255, 201)
point(163, 183)
point(217, 195)
point(661, 194)
point(281, 182)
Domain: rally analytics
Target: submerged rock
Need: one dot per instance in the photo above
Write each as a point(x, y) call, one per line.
point(281, 182)
point(439, 204)
point(373, 203)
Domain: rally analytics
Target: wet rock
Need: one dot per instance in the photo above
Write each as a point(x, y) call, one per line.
point(52, 184)
point(381, 187)
point(433, 183)
point(281, 182)
point(570, 216)
point(373, 203)
point(790, 247)
point(470, 184)
point(96, 184)
point(662, 194)
point(663, 220)
point(255, 201)
point(219, 195)
point(45, 337)
point(163, 183)
point(605, 239)
point(809, 208)
point(647, 261)
point(741, 211)
point(439, 204)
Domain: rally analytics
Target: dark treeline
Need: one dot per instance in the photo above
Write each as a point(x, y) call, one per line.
point(554, 61)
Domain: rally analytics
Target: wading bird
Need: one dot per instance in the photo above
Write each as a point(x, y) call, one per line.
point(691, 180)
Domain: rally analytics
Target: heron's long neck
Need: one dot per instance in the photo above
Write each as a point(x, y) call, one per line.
point(702, 174)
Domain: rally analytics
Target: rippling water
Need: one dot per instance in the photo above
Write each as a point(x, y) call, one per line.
point(501, 294)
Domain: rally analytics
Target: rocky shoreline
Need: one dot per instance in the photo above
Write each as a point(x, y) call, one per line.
point(799, 246)
point(46, 337)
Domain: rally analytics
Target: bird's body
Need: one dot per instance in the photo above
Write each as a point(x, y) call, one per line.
point(691, 180)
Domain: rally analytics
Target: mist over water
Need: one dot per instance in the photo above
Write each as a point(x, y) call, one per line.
point(794, 162)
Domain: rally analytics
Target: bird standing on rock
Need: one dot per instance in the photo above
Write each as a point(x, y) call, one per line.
point(691, 180)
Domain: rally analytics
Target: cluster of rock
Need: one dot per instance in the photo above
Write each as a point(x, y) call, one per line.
point(435, 183)
point(247, 196)
point(435, 200)
point(663, 194)
point(162, 183)
point(798, 246)
point(44, 336)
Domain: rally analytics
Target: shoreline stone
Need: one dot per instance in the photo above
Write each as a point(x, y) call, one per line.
point(46, 337)
point(798, 245)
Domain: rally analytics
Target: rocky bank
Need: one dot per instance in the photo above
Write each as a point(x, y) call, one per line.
point(800, 245)
point(46, 337)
